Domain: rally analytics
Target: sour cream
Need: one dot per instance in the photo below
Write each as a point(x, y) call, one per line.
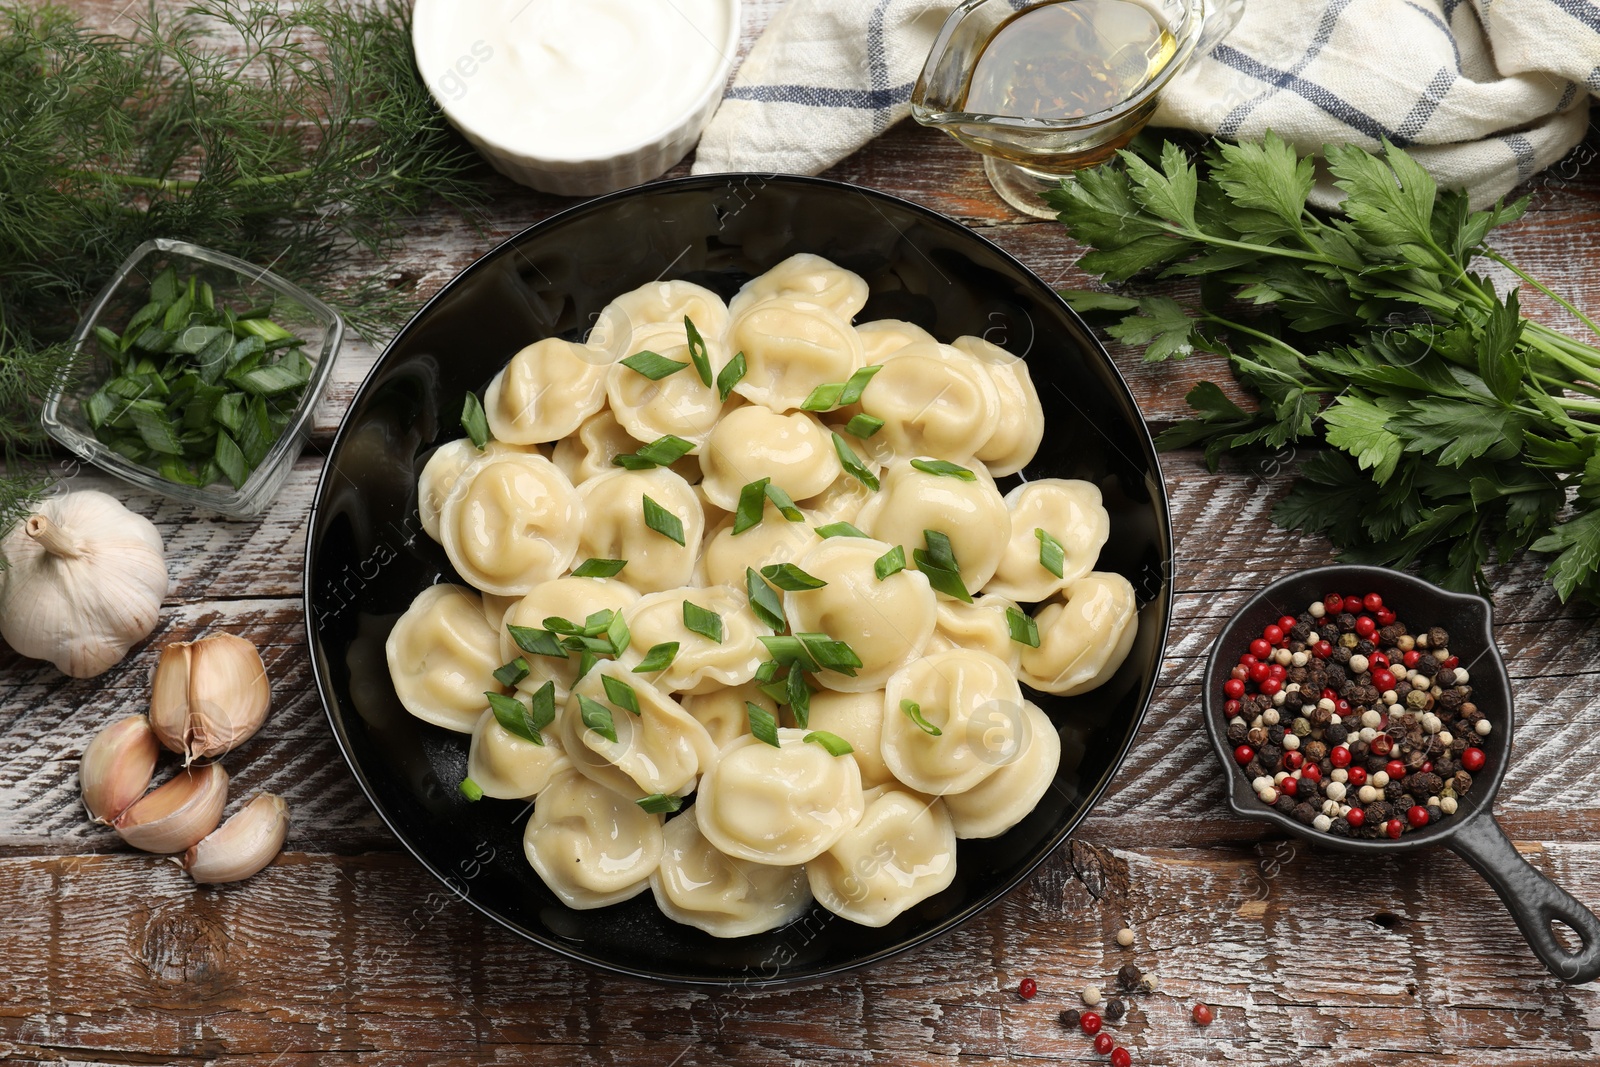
point(572, 80)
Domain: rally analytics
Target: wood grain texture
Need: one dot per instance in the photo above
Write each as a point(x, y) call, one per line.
point(346, 952)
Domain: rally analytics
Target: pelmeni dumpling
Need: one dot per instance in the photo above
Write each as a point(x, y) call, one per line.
point(1020, 428)
point(511, 522)
point(573, 599)
point(971, 513)
point(442, 658)
point(1084, 638)
point(1071, 512)
point(858, 718)
point(601, 439)
point(614, 526)
point(443, 469)
point(884, 337)
point(509, 767)
point(660, 750)
point(1032, 752)
point(727, 555)
point(546, 391)
point(958, 692)
point(791, 347)
point(656, 304)
point(680, 404)
point(934, 401)
point(722, 711)
point(701, 664)
point(982, 624)
point(495, 607)
point(806, 277)
point(840, 502)
point(887, 623)
point(753, 442)
point(783, 805)
point(724, 896)
point(903, 851)
point(592, 847)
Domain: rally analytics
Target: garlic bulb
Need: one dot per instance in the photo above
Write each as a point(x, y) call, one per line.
point(117, 766)
point(243, 845)
point(178, 813)
point(85, 582)
point(208, 696)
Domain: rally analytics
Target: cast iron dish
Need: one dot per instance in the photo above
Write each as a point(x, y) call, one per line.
point(1472, 833)
point(367, 555)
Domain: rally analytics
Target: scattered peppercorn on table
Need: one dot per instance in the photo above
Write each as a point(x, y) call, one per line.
point(1248, 947)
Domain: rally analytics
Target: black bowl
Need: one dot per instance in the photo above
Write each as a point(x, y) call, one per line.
point(1535, 901)
point(367, 556)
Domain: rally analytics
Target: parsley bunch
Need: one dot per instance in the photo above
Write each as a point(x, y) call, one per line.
point(1457, 430)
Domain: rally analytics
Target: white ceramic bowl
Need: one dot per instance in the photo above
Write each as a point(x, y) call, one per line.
point(554, 170)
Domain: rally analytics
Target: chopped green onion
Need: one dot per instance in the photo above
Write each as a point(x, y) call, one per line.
point(658, 658)
point(231, 460)
point(829, 654)
point(938, 563)
point(1052, 553)
point(767, 671)
point(863, 425)
point(703, 621)
point(652, 365)
point(660, 803)
point(858, 384)
point(522, 720)
point(777, 692)
point(752, 503)
point(511, 673)
point(597, 717)
point(799, 694)
point(618, 634)
point(788, 577)
point(475, 422)
point(471, 790)
point(598, 622)
point(537, 642)
point(662, 452)
point(697, 350)
point(784, 503)
point(586, 663)
point(1024, 628)
point(566, 627)
point(891, 562)
point(823, 397)
point(763, 724)
point(662, 521)
point(944, 468)
point(730, 376)
point(839, 529)
point(599, 568)
point(853, 465)
point(620, 693)
point(788, 651)
point(913, 711)
point(767, 604)
point(833, 743)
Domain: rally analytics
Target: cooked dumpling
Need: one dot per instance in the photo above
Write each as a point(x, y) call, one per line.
point(780, 806)
point(903, 851)
point(701, 664)
point(1017, 434)
point(724, 896)
point(614, 526)
point(934, 401)
point(656, 304)
point(442, 658)
point(842, 501)
point(509, 767)
point(1071, 512)
point(573, 599)
point(972, 514)
point(752, 442)
point(887, 623)
point(1001, 800)
point(884, 337)
point(660, 750)
point(806, 277)
point(601, 439)
point(495, 607)
point(791, 347)
point(443, 469)
point(680, 404)
point(592, 847)
point(1084, 638)
point(511, 522)
point(546, 391)
point(728, 555)
point(982, 625)
point(957, 692)
point(858, 718)
point(722, 711)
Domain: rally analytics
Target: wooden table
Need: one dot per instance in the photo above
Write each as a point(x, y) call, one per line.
point(346, 951)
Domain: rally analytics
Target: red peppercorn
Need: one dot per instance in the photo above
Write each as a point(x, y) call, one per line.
point(1410, 658)
point(1027, 988)
point(1311, 772)
point(1352, 602)
point(1234, 688)
point(1289, 787)
point(1232, 708)
point(1258, 672)
point(1427, 766)
point(1342, 707)
point(1356, 817)
point(1260, 649)
point(1451, 663)
point(1329, 694)
point(1380, 745)
point(1322, 650)
point(1334, 603)
point(1293, 759)
point(1395, 769)
point(1273, 634)
point(1365, 627)
point(1394, 828)
point(1270, 686)
point(1244, 754)
point(1473, 759)
point(1278, 671)
point(1383, 680)
point(1372, 601)
point(1339, 756)
point(1357, 776)
point(1241, 672)
point(1378, 659)
point(1385, 617)
point(1103, 1043)
point(1417, 816)
point(1090, 1022)
point(1202, 1015)
point(1286, 623)
point(1120, 1057)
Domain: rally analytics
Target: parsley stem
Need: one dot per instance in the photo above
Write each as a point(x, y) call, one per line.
point(1537, 284)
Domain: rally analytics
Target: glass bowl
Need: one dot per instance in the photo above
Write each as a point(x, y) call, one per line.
point(239, 285)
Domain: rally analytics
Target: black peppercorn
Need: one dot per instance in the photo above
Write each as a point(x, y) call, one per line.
point(1438, 637)
point(1346, 622)
point(1284, 804)
point(1237, 732)
point(1462, 781)
point(1070, 1018)
point(1256, 737)
point(1365, 647)
point(1270, 755)
point(1320, 716)
point(1450, 701)
point(1444, 767)
point(1305, 812)
point(1393, 792)
point(1427, 784)
point(1358, 750)
point(1391, 634)
point(1315, 751)
point(1427, 666)
point(1329, 631)
point(1340, 655)
point(1300, 632)
point(1255, 769)
point(1378, 812)
point(1275, 733)
point(1446, 678)
point(1115, 1009)
point(1128, 977)
point(1336, 734)
point(1340, 827)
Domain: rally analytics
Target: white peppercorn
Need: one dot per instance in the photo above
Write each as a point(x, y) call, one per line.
point(1369, 794)
point(1125, 937)
point(1271, 717)
point(1291, 742)
point(1448, 804)
point(1317, 611)
point(1322, 822)
point(1335, 790)
point(1091, 995)
point(1482, 727)
point(1380, 779)
point(1358, 663)
point(1371, 719)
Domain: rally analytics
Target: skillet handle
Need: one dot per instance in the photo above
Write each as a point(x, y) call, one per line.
point(1534, 900)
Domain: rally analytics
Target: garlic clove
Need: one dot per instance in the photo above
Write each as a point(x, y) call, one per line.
point(116, 767)
point(169, 697)
point(228, 695)
point(178, 813)
point(243, 845)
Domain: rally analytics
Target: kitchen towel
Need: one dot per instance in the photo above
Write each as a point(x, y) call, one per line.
point(1484, 93)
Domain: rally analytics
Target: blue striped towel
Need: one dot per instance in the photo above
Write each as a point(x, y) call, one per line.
point(1484, 93)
